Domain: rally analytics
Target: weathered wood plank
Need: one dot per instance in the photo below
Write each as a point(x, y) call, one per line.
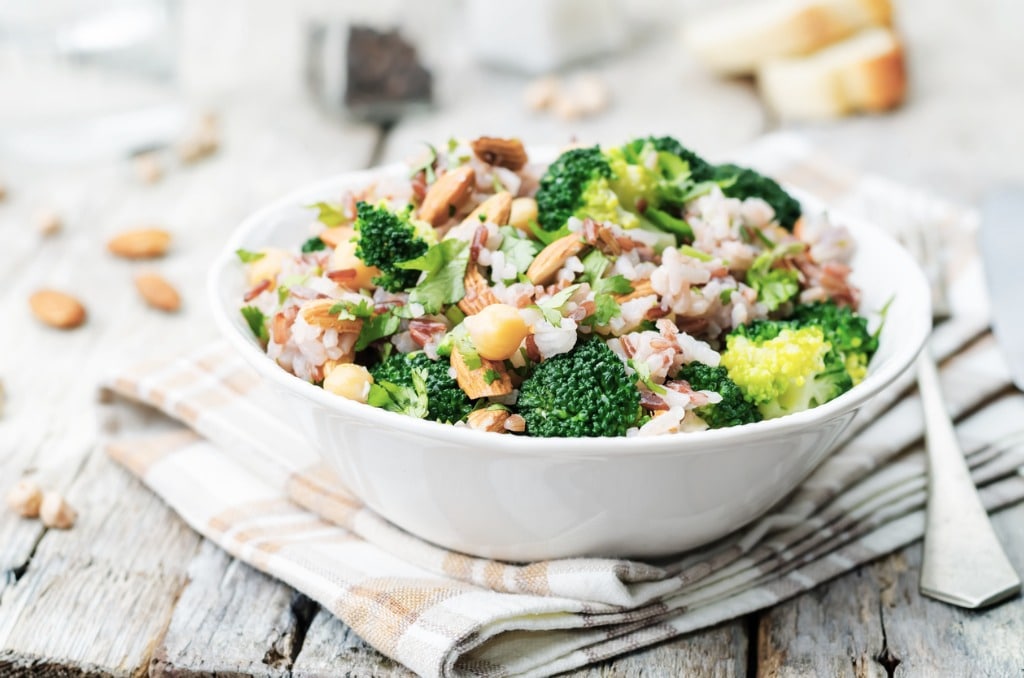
point(331, 648)
point(873, 622)
point(232, 620)
point(98, 596)
point(718, 652)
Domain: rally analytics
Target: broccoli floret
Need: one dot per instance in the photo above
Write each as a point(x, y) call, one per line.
point(790, 372)
point(733, 409)
point(585, 392)
point(743, 183)
point(846, 331)
point(445, 401)
point(385, 239)
point(577, 184)
point(700, 169)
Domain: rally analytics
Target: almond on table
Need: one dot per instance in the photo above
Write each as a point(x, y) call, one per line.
point(157, 292)
point(140, 243)
point(57, 309)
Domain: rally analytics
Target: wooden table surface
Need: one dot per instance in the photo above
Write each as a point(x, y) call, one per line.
point(132, 590)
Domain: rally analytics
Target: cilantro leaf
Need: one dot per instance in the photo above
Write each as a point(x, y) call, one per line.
point(394, 398)
point(247, 257)
point(551, 308)
point(642, 372)
point(491, 376)
point(617, 284)
point(445, 267)
point(348, 310)
point(606, 309)
point(427, 165)
point(377, 327)
point(329, 215)
point(594, 266)
point(257, 322)
point(548, 237)
point(519, 251)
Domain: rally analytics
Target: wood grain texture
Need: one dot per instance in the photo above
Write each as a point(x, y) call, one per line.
point(331, 648)
point(718, 652)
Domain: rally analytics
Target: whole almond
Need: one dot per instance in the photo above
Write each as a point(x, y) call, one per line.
point(56, 512)
point(447, 194)
point(140, 243)
point(57, 309)
point(25, 499)
point(157, 292)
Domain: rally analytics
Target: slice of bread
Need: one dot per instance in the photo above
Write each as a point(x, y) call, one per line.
point(863, 73)
point(736, 39)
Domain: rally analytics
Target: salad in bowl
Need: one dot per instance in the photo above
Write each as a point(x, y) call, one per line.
point(630, 290)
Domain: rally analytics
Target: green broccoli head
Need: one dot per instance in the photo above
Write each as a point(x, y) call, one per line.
point(585, 392)
point(746, 183)
point(385, 239)
point(789, 372)
point(700, 169)
point(846, 331)
point(734, 409)
point(577, 184)
point(445, 401)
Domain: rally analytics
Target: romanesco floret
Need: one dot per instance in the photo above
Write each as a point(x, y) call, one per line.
point(385, 239)
point(734, 409)
point(786, 373)
point(585, 392)
point(845, 330)
point(445, 401)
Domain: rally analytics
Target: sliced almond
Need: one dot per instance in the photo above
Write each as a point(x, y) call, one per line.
point(447, 195)
point(641, 288)
point(494, 210)
point(57, 309)
point(140, 243)
point(157, 292)
point(337, 235)
point(474, 382)
point(550, 259)
point(500, 152)
point(488, 420)
point(478, 292)
point(318, 312)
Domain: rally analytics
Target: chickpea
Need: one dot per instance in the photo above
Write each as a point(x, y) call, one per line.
point(524, 210)
point(497, 331)
point(266, 267)
point(349, 381)
point(344, 258)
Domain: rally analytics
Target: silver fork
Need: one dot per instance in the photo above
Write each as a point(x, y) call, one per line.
point(963, 562)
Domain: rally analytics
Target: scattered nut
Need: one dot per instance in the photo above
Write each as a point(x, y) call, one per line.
point(148, 168)
point(25, 499)
point(140, 243)
point(157, 292)
point(515, 423)
point(57, 309)
point(494, 210)
point(591, 94)
point(48, 223)
point(488, 420)
point(508, 153)
point(56, 512)
point(566, 108)
point(478, 293)
point(318, 312)
point(447, 194)
point(541, 93)
point(550, 259)
point(489, 380)
point(641, 288)
point(203, 142)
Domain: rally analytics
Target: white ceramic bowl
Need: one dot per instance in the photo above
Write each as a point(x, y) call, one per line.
point(519, 498)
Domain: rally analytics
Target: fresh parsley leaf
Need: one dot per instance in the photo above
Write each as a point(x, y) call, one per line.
point(467, 350)
point(427, 166)
point(453, 143)
point(314, 244)
point(519, 251)
point(491, 376)
point(329, 215)
point(377, 327)
point(282, 294)
point(617, 284)
point(247, 257)
point(548, 237)
point(725, 296)
point(551, 308)
point(606, 309)
point(594, 266)
point(257, 322)
point(643, 375)
point(411, 401)
point(445, 267)
point(774, 286)
point(348, 310)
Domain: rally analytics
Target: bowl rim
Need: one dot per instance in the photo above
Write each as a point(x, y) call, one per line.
point(900, 360)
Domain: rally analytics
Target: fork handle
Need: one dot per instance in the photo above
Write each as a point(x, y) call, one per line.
point(963, 562)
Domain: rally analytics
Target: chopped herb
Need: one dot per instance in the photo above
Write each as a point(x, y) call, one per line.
point(329, 215)
point(496, 184)
point(282, 294)
point(695, 253)
point(617, 284)
point(765, 240)
point(453, 143)
point(725, 296)
point(774, 286)
point(551, 308)
point(606, 308)
point(377, 327)
point(247, 257)
point(594, 266)
point(314, 244)
point(482, 217)
point(257, 322)
point(467, 350)
point(548, 237)
point(427, 166)
point(445, 267)
point(348, 310)
point(406, 400)
point(491, 376)
point(519, 251)
point(454, 315)
point(643, 376)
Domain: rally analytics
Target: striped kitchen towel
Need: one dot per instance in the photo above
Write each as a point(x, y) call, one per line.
point(242, 476)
